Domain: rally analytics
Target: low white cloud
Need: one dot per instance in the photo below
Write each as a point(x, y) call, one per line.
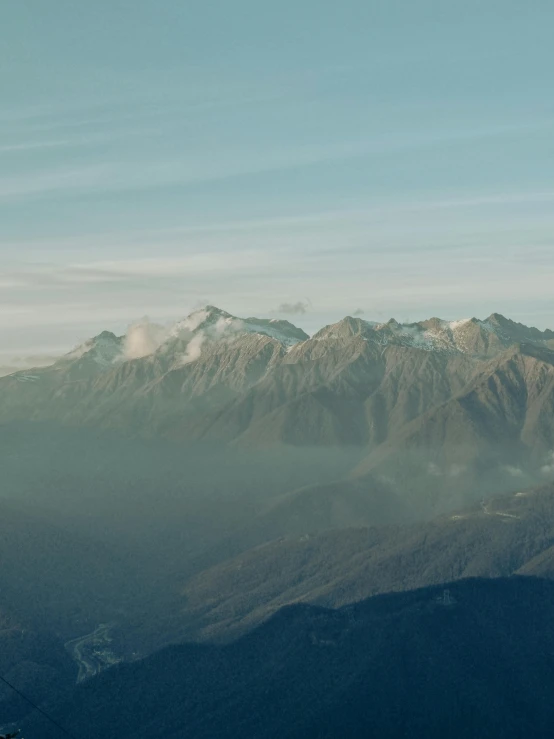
point(194, 349)
point(548, 467)
point(225, 328)
point(228, 326)
point(190, 323)
point(143, 338)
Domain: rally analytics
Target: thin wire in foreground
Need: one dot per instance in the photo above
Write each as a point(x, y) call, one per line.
point(37, 708)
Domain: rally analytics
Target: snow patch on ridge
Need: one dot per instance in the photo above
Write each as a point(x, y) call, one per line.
point(453, 325)
point(217, 323)
point(104, 349)
point(273, 333)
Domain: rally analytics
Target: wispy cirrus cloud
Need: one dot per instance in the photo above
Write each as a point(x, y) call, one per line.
point(60, 181)
point(32, 145)
point(69, 142)
point(191, 166)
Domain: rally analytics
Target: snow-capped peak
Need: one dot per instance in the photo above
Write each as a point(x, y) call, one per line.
point(103, 349)
point(201, 318)
point(210, 324)
point(453, 325)
point(217, 323)
point(468, 335)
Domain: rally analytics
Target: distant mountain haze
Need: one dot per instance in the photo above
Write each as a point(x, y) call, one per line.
point(440, 412)
point(275, 460)
point(190, 493)
point(508, 535)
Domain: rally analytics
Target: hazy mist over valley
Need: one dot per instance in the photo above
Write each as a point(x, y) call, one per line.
point(276, 370)
point(175, 499)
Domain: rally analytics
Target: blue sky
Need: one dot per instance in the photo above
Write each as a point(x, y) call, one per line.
point(391, 157)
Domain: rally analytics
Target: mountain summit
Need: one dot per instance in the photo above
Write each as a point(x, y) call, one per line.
point(467, 402)
point(480, 338)
point(220, 323)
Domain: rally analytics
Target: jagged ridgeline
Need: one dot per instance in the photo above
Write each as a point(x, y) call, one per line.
point(184, 483)
point(436, 408)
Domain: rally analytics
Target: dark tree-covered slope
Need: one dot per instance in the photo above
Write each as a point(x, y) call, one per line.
point(475, 659)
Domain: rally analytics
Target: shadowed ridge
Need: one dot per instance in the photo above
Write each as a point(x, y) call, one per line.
point(394, 665)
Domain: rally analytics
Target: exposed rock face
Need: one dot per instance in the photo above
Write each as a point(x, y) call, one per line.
point(448, 405)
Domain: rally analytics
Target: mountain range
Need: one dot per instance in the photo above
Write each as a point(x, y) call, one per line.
point(440, 413)
point(240, 488)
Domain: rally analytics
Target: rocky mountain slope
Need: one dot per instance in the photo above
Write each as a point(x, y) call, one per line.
point(262, 366)
point(232, 466)
point(441, 412)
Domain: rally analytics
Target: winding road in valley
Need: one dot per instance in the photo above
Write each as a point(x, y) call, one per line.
point(91, 652)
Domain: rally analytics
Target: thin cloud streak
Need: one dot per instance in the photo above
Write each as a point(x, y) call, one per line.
point(151, 175)
point(30, 145)
point(85, 140)
point(152, 105)
point(62, 181)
